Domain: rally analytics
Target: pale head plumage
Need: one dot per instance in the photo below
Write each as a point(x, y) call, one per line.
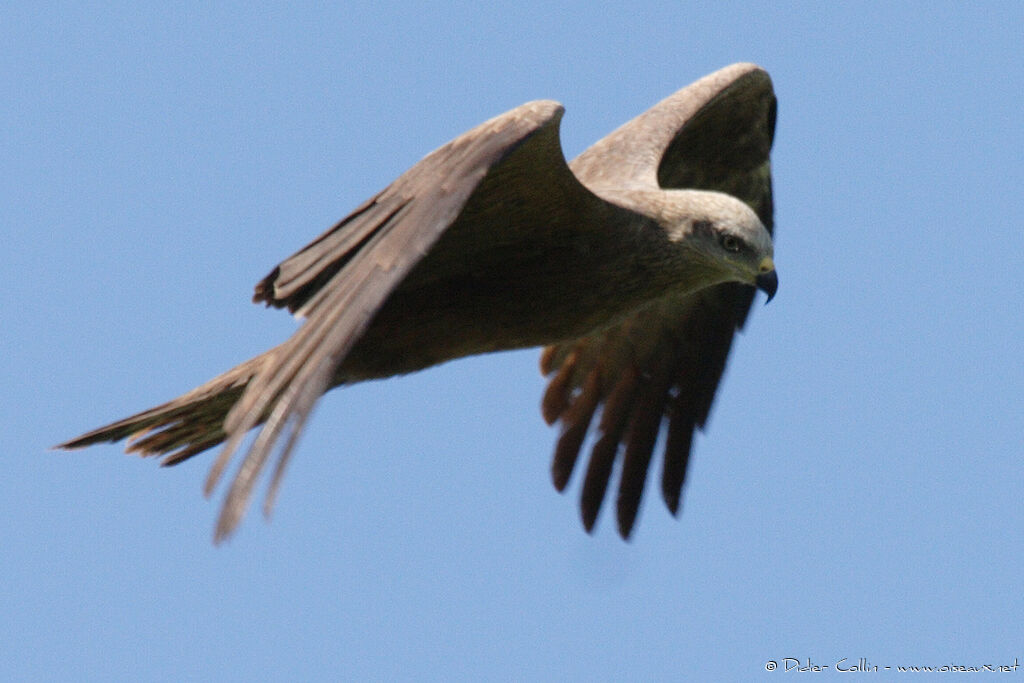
point(722, 231)
point(716, 234)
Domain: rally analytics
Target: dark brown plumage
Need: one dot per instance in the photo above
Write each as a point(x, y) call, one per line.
point(493, 242)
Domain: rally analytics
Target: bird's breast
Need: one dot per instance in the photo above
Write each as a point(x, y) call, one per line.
point(502, 299)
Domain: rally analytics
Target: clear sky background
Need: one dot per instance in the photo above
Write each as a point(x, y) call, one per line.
point(858, 492)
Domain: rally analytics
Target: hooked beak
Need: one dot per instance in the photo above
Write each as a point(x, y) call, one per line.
point(767, 280)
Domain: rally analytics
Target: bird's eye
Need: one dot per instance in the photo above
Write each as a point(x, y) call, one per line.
point(730, 243)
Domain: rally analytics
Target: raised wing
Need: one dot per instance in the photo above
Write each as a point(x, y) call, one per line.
point(340, 280)
point(663, 364)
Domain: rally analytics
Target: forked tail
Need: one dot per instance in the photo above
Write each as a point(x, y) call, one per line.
point(181, 428)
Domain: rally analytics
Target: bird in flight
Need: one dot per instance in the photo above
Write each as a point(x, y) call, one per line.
point(634, 266)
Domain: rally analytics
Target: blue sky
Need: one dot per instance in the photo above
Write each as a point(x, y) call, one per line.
point(858, 491)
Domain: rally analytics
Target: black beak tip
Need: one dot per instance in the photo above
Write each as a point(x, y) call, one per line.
point(768, 283)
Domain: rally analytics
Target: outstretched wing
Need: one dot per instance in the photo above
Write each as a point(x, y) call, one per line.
point(663, 364)
point(340, 280)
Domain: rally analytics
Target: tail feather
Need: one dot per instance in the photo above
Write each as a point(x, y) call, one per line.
point(181, 428)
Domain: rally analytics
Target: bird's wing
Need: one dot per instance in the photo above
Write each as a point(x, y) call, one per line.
point(662, 364)
point(340, 280)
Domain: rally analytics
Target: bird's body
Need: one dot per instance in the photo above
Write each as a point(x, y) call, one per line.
point(470, 295)
point(492, 243)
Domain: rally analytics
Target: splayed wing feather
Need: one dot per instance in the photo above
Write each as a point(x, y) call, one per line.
point(714, 135)
point(644, 423)
point(576, 418)
point(611, 427)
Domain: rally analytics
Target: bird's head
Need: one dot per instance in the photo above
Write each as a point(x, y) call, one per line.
point(723, 235)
